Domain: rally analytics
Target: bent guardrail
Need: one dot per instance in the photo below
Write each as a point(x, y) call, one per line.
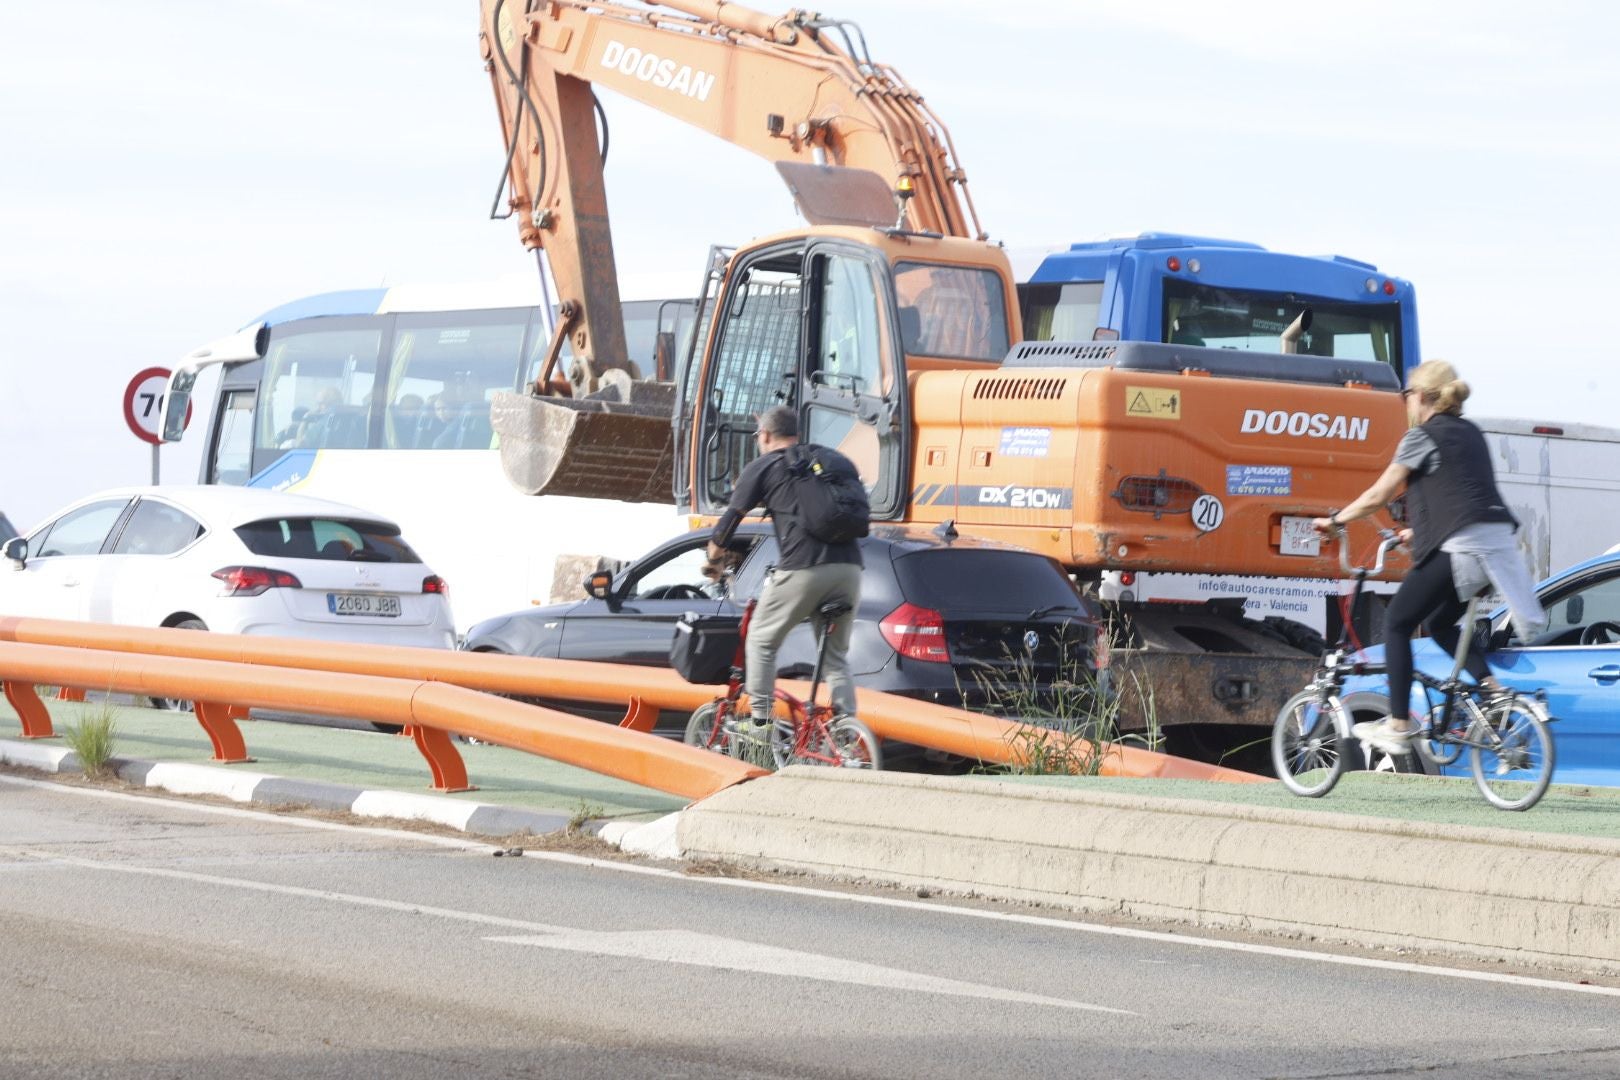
point(431, 710)
point(641, 690)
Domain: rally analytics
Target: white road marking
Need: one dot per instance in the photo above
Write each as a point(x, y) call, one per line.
point(1073, 925)
point(710, 951)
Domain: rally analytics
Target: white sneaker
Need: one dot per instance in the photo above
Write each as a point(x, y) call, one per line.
point(1384, 735)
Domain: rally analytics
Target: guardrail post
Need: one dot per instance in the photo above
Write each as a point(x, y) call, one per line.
point(639, 716)
point(220, 722)
point(449, 771)
point(70, 693)
point(36, 720)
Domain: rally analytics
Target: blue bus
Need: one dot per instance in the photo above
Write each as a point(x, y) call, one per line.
point(1226, 294)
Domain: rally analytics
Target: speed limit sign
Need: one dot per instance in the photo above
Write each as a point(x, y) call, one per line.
point(143, 403)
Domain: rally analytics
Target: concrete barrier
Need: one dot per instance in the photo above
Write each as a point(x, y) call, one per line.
point(1481, 893)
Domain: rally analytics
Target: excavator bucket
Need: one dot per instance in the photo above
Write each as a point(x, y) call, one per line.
point(615, 444)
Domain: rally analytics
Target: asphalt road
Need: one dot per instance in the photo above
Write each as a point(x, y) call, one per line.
point(142, 937)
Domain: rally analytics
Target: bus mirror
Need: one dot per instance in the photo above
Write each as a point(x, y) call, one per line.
point(246, 344)
point(176, 400)
point(16, 551)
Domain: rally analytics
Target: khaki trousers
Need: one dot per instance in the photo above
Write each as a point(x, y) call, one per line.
point(788, 599)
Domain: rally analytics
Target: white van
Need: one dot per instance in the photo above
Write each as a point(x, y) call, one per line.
point(1562, 481)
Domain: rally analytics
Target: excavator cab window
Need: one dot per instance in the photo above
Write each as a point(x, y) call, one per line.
point(755, 365)
point(958, 312)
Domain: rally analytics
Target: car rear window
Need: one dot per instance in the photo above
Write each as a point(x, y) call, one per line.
point(336, 539)
point(969, 579)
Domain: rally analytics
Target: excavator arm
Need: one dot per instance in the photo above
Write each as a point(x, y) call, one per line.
point(793, 89)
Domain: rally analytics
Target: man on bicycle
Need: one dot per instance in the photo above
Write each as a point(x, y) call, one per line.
point(808, 574)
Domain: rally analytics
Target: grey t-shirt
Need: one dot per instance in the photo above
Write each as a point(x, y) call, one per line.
point(1418, 452)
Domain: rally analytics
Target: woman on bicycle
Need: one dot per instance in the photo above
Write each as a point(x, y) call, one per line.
point(1461, 537)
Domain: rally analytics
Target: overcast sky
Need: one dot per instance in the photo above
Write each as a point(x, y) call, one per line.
point(171, 169)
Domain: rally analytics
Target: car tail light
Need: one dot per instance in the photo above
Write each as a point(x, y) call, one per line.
point(433, 583)
point(253, 580)
point(917, 633)
point(1157, 494)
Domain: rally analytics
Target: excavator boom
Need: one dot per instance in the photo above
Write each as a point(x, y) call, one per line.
point(798, 89)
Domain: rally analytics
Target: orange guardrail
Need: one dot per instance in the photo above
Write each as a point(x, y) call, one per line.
point(642, 690)
point(430, 709)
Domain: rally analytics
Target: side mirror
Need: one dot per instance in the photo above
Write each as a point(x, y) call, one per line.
point(599, 586)
point(16, 552)
point(1484, 640)
point(248, 343)
point(176, 402)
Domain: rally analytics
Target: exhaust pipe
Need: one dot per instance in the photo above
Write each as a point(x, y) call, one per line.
point(1295, 331)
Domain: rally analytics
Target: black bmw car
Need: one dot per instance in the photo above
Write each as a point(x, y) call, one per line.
point(941, 618)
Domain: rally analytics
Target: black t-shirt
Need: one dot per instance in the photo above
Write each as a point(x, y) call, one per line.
point(765, 482)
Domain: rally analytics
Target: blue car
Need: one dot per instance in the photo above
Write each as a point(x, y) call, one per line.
point(1575, 661)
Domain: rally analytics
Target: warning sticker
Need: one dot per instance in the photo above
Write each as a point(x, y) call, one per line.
point(1154, 402)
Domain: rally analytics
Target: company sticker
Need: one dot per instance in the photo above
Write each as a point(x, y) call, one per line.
point(1025, 441)
point(1259, 480)
point(1153, 402)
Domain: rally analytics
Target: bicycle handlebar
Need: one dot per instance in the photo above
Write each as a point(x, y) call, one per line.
point(1391, 540)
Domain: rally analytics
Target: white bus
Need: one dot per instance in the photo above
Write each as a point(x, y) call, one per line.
point(380, 398)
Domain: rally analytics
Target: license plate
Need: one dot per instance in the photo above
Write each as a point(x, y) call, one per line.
point(348, 603)
point(1298, 538)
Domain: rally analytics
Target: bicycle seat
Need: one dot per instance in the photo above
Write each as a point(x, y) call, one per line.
point(835, 609)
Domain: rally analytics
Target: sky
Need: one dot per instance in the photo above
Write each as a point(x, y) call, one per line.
point(171, 169)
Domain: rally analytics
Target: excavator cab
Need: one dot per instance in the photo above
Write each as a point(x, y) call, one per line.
point(822, 322)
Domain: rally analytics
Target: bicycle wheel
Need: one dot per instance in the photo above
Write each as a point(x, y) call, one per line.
point(706, 729)
point(1465, 714)
point(1512, 756)
point(784, 744)
point(1307, 744)
point(852, 744)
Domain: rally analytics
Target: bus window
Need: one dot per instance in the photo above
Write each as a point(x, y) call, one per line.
point(1062, 312)
point(316, 389)
point(445, 369)
point(1197, 314)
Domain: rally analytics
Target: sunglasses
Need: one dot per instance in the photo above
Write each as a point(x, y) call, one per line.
point(1407, 393)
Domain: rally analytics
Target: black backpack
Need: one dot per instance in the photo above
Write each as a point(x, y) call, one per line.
point(829, 499)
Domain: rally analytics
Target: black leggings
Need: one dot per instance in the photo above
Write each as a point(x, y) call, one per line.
point(1427, 596)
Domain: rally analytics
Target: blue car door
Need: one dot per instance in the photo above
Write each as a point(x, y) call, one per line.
point(1576, 663)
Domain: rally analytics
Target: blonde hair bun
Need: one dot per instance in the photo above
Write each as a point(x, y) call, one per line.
point(1437, 381)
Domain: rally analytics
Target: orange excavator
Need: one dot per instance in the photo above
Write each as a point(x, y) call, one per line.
point(891, 324)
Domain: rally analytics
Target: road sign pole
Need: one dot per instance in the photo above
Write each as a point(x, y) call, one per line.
point(154, 465)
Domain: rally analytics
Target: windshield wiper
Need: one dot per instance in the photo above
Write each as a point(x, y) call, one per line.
point(1050, 609)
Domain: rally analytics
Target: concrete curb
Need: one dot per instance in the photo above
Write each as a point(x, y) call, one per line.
point(484, 819)
point(1482, 893)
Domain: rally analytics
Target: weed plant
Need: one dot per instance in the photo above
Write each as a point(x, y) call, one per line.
point(92, 739)
point(1072, 723)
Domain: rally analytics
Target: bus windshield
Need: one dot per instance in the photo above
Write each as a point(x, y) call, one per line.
point(1196, 314)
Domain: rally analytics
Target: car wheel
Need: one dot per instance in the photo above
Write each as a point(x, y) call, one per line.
point(178, 704)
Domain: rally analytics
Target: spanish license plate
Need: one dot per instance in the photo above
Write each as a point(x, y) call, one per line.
point(349, 603)
point(1298, 538)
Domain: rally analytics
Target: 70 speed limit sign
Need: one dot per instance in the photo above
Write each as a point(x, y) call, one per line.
point(143, 403)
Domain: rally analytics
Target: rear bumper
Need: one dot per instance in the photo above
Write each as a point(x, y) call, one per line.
point(431, 636)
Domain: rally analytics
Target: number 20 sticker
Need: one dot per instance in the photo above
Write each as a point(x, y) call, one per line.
point(1208, 513)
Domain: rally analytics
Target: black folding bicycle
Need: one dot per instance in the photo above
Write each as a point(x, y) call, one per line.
point(1509, 745)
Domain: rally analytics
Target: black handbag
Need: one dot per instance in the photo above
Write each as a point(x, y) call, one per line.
point(705, 646)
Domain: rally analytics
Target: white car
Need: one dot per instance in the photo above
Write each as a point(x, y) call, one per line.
point(228, 559)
